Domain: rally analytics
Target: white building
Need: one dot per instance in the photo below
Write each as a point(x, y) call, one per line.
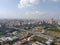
point(49, 42)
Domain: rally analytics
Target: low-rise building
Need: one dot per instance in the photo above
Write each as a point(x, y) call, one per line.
point(37, 43)
point(49, 42)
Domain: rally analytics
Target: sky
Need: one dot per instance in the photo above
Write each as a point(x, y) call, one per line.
point(29, 9)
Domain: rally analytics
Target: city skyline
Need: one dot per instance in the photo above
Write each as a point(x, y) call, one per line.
point(29, 9)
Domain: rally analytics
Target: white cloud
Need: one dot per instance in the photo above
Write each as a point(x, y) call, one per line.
point(27, 3)
point(33, 14)
point(41, 15)
point(32, 3)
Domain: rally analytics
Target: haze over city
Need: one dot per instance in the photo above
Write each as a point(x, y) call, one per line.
point(29, 22)
point(29, 9)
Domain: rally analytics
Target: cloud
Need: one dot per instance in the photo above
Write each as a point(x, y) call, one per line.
point(32, 3)
point(40, 15)
point(27, 3)
point(33, 15)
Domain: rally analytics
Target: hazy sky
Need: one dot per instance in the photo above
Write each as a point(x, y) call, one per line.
point(32, 9)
